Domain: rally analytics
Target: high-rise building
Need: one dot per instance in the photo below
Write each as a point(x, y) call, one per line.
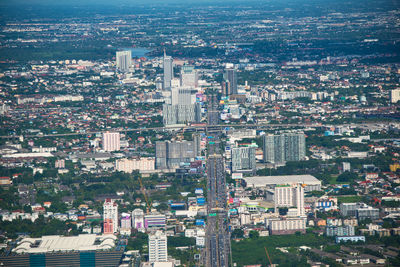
point(138, 219)
point(126, 224)
point(124, 60)
point(394, 95)
point(171, 155)
point(110, 216)
point(168, 71)
point(243, 158)
point(111, 142)
point(189, 76)
point(181, 107)
point(229, 84)
point(284, 147)
point(290, 196)
point(158, 247)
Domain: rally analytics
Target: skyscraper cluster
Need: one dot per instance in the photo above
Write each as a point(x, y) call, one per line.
point(284, 147)
point(180, 105)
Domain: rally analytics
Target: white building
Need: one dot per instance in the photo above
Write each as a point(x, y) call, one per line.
point(394, 95)
point(130, 165)
point(290, 196)
point(124, 60)
point(111, 142)
point(138, 219)
point(158, 247)
point(286, 226)
point(110, 216)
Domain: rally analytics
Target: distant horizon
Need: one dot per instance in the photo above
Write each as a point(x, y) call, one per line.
point(146, 2)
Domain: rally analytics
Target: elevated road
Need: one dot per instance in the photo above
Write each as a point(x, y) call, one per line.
point(216, 127)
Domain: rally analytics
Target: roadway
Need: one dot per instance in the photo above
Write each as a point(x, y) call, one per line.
point(217, 235)
point(213, 116)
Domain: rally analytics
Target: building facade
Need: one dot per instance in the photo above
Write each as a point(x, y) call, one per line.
point(284, 147)
point(171, 155)
point(110, 216)
point(229, 85)
point(158, 247)
point(286, 226)
point(123, 60)
point(243, 158)
point(111, 142)
point(168, 71)
point(290, 196)
point(130, 165)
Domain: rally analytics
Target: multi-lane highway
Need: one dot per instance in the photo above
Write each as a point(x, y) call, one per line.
point(218, 239)
point(212, 116)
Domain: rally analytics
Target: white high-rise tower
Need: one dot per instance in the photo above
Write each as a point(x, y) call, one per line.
point(124, 60)
point(111, 142)
point(158, 247)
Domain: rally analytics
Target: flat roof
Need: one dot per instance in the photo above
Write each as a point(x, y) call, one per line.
point(56, 243)
point(260, 181)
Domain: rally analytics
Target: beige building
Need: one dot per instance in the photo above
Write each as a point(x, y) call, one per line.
point(394, 95)
point(130, 165)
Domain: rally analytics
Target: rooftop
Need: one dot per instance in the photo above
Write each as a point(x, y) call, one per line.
point(259, 181)
point(56, 243)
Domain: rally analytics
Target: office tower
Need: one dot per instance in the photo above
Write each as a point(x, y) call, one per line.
point(168, 71)
point(182, 108)
point(158, 247)
point(230, 82)
point(172, 154)
point(290, 196)
point(189, 76)
point(111, 142)
point(124, 60)
point(137, 219)
point(284, 147)
point(110, 216)
point(243, 158)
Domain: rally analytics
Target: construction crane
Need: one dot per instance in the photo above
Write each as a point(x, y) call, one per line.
point(148, 204)
point(269, 259)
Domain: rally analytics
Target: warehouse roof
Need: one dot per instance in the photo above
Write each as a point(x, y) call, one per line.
point(260, 181)
point(54, 243)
